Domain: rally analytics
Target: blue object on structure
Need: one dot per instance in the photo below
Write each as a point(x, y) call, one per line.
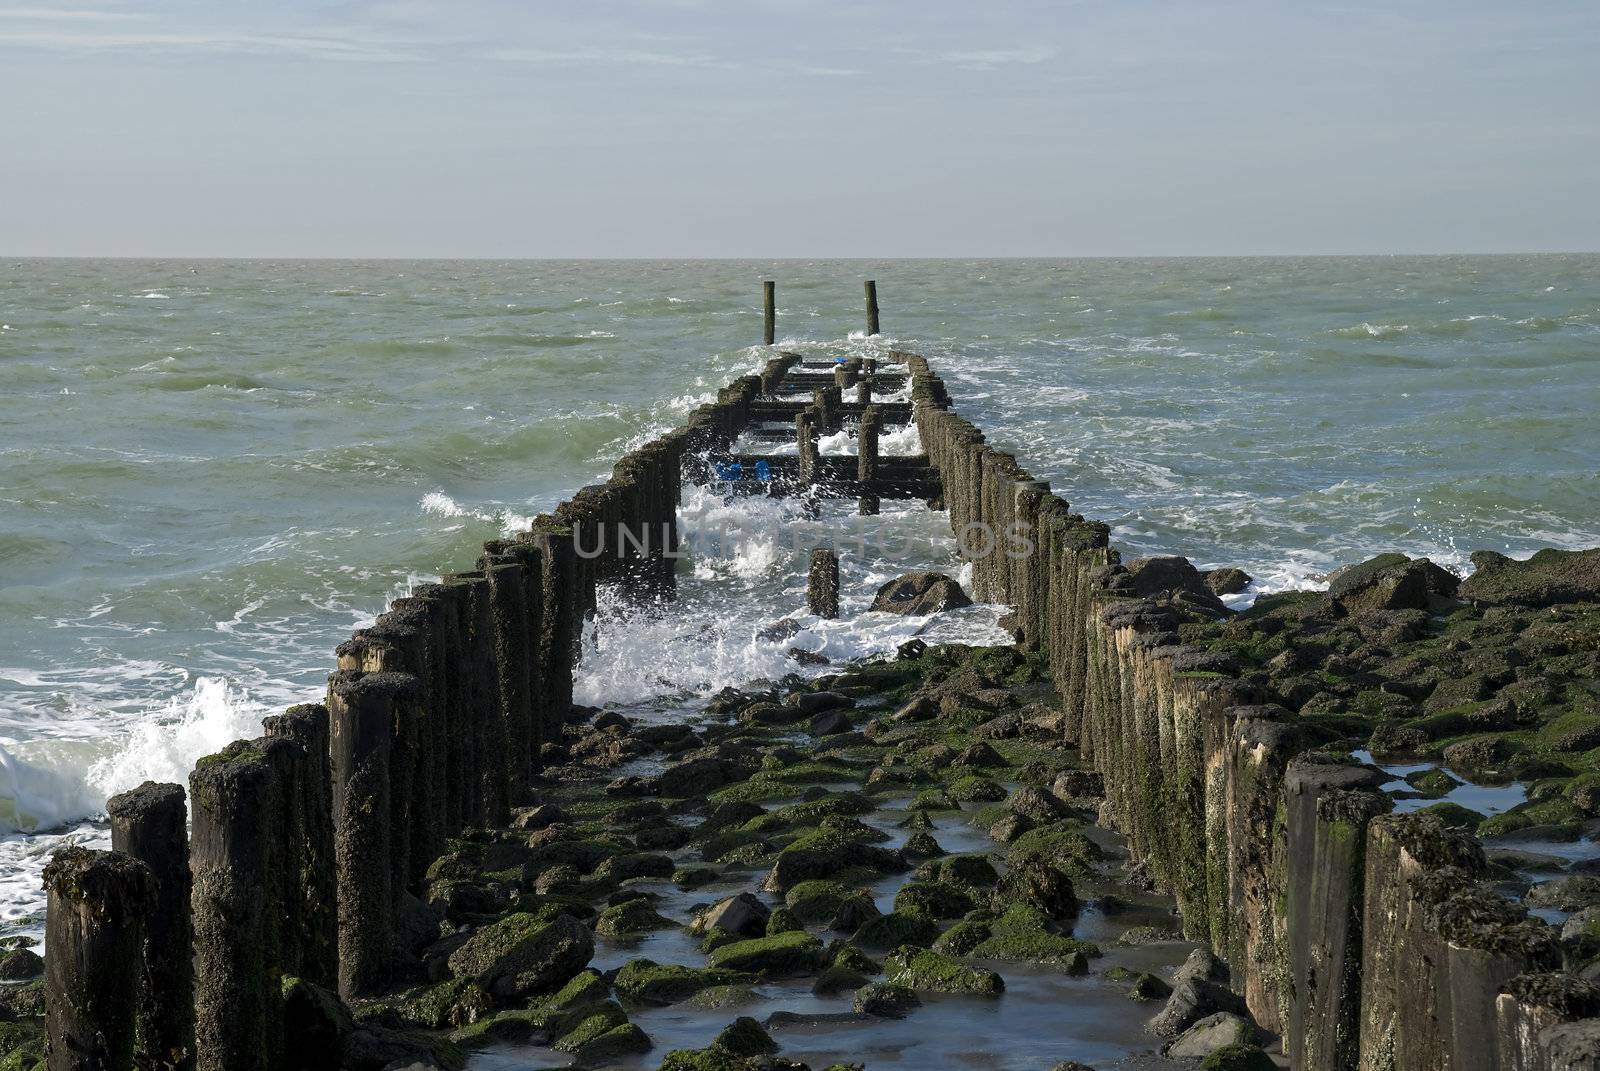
point(763, 471)
point(840, 360)
point(735, 471)
point(727, 471)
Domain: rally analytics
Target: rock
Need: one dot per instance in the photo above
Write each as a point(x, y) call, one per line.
point(922, 845)
point(1038, 885)
point(1201, 966)
point(886, 1000)
point(1036, 804)
point(1078, 784)
point(919, 595)
point(1484, 754)
point(745, 1037)
point(795, 865)
point(813, 901)
point(1227, 581)
point(1238, 1058)
point(1149, 987)
point(315, 1017)
point(21, 965)
point(1010, 828)
point(649, 982)
point(519, 956)
point(830, 723)
point(1547, 578)
point(1210, 1034)
point(612, 720)
point(1570, 893)
point(854, 913)
point(783, 955)
point(895, 929)
point(936, 899)
point(1192, 1000)
point(546, 814)
point(744, 915)
point(370, 1048)
point(630, 918)
point(783, 921)
point(927, 971)
point(810, 703)
point(1387, 582)
point(782, 629)
point(632, 865)
point(977, 790)
point(978, 756)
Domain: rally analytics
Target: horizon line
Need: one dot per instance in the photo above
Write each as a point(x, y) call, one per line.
point(211, 257)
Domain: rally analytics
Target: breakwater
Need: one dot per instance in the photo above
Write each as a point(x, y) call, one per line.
point(309, 846)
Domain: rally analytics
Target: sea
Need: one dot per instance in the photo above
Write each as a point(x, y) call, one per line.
point(212, 471)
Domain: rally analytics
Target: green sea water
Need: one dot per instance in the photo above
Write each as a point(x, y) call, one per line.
point(213, 470)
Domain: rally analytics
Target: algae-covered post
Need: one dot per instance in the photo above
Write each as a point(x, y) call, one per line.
point(769, 295)
point(867, 459)
point(872, 306)
point(98, 903)
point(822, 583)
point(149, 823)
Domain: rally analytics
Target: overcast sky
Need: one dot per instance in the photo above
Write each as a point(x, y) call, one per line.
point(535, 128)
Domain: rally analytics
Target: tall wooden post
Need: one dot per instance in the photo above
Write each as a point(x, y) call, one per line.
point(150, 823)
point(822, 583)
point(867, 459)
point(872, 306)
point(94, 933)
point(769, 293)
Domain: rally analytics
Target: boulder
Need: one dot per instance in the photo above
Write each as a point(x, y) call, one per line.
point(519, 955)
point(744, 915)
point(783, 955)
point(1192, 1000)
point(886, 1000)
point(1547, 578)
point(1389, 582)
point(1210, 1034)
point(649, 982)
point(931, 972)
point(1038, 885)
point(919, 595)
point(1226, 581)
point(745, 1037)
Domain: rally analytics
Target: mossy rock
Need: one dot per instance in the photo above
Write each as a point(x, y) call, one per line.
point(1557, 812)
point(1434, 782)
point(783, 955)
point(962, 938)
point(712, 1059)
point(745, 1037)
point(630, 919)
point(1022, 934)
point(1238, 1058)
point(782, 920)
point(972, 871)
point(973, 789)
point(1454, 815)
point(648, 982)
point(22, 1046)
point(817, 900)
point(1573, 732)
point(1062, 845)
point(717, 997)
point(936, 799)
point(455, 1003)
point(927, 971)
point(935, 899)
point(895, 929)
point(596, 1033)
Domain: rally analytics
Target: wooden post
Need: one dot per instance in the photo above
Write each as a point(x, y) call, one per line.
point(822, 583)
point(94, 930)
point(867, 460)
point(235, 846)
point(150, 823)
point(872, 306)
point(805, 427)
point(360, 709)
point(312, 943)
point(769, 293)
point(513, 655)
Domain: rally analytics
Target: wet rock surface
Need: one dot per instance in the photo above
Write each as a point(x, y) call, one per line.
point(801, 891)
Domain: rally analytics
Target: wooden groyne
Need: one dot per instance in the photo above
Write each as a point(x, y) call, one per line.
point(1364, 938)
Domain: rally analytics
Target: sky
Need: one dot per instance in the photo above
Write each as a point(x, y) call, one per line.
point(800, 128)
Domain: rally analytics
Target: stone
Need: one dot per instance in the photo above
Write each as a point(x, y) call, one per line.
point(1202, 966)
point(1148, 987)
point(745, 1037)
point(783, 955)
point(809, 703)
point(519, 955)
point(927, 971)
point(21, 965)
point(920, 595)
point(895, 929)
point(1386, 582)
point(1226, 581)
point(830, 723)
point(1036, 804)
point(1571, 893)
point(886, 1000)
point(1039, 885)
point(1210, 1034)
point(1192, 1000)
point(744, 915)
point(1238, 1058)
point(854, 912)
point(649, 982)
point(1547, 578)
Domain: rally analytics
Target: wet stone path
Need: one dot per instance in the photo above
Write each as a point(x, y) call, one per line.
point(892, 866)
